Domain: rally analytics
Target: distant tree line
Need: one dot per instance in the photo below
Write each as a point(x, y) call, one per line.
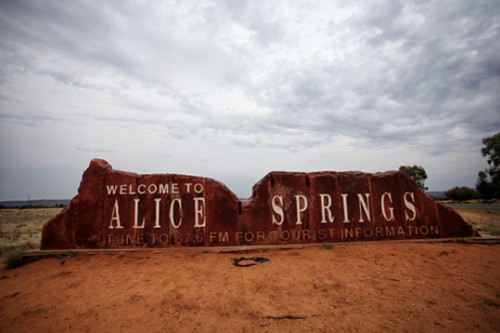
point(488, 180)
point(32, 206)
point(461, 193)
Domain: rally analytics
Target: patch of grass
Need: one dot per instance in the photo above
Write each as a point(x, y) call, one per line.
point(486, 222)
point(328, 246)
point(18, 226)
point(6, 249)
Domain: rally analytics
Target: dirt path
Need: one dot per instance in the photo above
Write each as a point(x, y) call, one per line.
point(369, 287)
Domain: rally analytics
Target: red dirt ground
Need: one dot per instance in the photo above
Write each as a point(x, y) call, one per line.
point(368, 287)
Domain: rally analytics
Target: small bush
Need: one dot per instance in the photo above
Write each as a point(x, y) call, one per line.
point(14, 258)
point(328, 246)
point(65, 256)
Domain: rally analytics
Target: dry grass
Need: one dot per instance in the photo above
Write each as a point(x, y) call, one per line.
point(22, 228)
point(487, 222)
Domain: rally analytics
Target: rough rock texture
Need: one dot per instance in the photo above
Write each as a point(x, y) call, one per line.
point(123, 209)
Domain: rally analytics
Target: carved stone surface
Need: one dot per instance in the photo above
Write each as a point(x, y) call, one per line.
point(122, 209)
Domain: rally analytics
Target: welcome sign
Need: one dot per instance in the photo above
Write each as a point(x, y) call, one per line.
point(116, 209)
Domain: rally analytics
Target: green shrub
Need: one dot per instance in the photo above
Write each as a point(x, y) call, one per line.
point(14, 258)
point(65, 256)
point(328, 246)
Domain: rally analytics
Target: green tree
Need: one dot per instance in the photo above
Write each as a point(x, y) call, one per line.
point(488, 181)
point(484, 186)
point(417, 173)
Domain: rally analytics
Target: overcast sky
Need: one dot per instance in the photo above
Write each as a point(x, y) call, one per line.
point(235, 89)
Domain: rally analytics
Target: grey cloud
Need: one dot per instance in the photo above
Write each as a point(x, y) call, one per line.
point(93, 150)
point(9, 99)
point(255, 18)
point(59, 76)
point(32, 120)
point(267, 75)
point(105, 37)
point(382, 16)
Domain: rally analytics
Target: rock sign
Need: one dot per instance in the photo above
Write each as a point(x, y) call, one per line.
point(116, 209)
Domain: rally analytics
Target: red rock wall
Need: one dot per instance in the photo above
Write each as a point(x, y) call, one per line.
point(122, 209)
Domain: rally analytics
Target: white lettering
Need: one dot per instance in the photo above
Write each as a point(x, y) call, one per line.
point(188, 187)
point(152, 188)
point(130, 191)
point(300, 207)
point(175, 188)
point(112, 189)
point(365, 205)
point(115, 216)
point(325, 208)
point(199, 211)
point(157, 213)
point(410, 206)
point(163, 189)
point(344, 204)
point(172, 212)
point(136, 216)
point(382, 205)
point(141, 189)
point(123, 189)
point(278, 209)
point(198, 188)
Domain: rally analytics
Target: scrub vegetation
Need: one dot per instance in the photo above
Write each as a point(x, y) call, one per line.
point(21, 228)
point(485, 222)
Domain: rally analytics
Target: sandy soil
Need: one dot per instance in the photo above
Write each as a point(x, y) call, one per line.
point(369, 287)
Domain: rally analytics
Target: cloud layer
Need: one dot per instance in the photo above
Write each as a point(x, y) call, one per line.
point(235, 89)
